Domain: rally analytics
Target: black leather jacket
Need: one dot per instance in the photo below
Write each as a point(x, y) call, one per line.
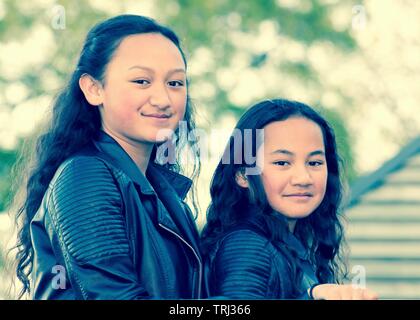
point(104, 231)
point(244, 264)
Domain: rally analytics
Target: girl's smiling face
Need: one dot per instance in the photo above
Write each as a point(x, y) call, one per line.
point(145, 90)
point(294, 172)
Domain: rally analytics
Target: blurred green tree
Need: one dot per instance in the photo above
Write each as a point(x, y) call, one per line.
point(227, 32)
point(215, 24)
point(7, 159)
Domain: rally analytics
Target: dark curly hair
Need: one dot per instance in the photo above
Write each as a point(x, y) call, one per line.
point(75, 123)
point(231, 205)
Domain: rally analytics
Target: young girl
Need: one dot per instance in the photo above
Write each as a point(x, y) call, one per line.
point(273, 230)
point(101, 219)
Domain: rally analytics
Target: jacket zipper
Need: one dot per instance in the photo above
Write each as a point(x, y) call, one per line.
point(195, 253)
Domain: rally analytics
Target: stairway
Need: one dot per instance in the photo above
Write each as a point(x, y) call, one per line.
point(383, 234)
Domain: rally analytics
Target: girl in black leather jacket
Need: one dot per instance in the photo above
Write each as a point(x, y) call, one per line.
point(273, 229)
point(104, 216)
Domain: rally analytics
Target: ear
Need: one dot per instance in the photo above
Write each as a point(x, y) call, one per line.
point(241, 179)
point(92, 89)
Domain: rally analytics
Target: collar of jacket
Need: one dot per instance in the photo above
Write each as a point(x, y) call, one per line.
point(290, 239)
point(296, 244)
point(163, 180)
point(117, 156)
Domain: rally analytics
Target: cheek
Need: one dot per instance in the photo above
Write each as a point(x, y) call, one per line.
point(133, 99)
point(273, 182)
point(320, 182)
point(123, 98)
point(182, 111)
point(179, 100)
point(181, 106)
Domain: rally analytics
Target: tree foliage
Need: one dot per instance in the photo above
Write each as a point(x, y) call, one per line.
point(212, 25)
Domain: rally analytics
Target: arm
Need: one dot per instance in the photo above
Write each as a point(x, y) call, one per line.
point(242, 267)
point(85, 208)
point(330, 291)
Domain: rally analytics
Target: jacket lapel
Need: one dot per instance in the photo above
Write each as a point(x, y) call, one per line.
point(112, 152)
point(161, 183)
point(168, 184)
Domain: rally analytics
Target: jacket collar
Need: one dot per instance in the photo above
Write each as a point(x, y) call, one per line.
point(164, 182)
point(180, 220)
point(289, 238)
point(119, 158)
point(293, 242)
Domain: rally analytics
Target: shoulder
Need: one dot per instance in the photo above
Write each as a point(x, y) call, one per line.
point(82, 167)
point(81, 173)
point(245, 236)
point(244, 243)
point(242, 266)
point(83, 182)
point(249, 246)
point(85, 207)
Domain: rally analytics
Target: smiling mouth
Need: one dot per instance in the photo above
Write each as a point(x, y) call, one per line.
point(299, 195)
point(157, 115)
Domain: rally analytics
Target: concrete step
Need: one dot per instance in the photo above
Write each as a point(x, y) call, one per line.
point(414, 161)
point(378, 212)
point(379, 259)
point(371, 250)
point(382, 231)
point(388, 270)
point(395, 290)
point(389, 267)
point(396, 193)
point(389, 279)
point(409, 175)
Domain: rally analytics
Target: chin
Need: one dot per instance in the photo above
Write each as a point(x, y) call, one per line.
point(162, 135)
point(296, 214)
point(160, 140)
point(302, 215)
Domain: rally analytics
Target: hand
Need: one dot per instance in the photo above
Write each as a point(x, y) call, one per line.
point(342, 292)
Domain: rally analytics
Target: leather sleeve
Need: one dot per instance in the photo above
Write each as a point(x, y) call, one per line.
point(86, 212)
point(242, 266)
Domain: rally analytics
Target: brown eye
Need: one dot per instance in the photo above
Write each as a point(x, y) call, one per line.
point(142, 82)
point(316, 163)
point(176, 83)
point(281, 163)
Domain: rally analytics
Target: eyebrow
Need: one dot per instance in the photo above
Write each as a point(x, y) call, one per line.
point(289, 153)
point(152, 71)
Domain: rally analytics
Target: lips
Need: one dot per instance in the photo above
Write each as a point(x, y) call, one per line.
point(302, 195)
point(157, 115)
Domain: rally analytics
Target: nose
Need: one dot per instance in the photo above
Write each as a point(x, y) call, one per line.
point(301, 177)
point(159, 97)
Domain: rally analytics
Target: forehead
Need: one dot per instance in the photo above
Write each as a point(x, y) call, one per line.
point(296, 134)
point(150, 49)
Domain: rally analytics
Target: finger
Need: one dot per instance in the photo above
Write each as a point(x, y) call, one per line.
point(348, 292)
point(370, 295)
point(346, 295)
point(358, 294)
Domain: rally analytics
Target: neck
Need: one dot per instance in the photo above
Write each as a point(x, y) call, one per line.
point(139, 152)
point(291, 224)
point(140, 155)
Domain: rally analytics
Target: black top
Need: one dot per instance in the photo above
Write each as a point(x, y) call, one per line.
point(105, 231)
point(244, 264)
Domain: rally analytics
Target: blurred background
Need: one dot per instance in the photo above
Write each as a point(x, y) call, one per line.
point(358, 62)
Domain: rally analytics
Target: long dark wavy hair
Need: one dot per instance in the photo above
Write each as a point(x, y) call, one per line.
point(75, 123)
point(231, 205)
